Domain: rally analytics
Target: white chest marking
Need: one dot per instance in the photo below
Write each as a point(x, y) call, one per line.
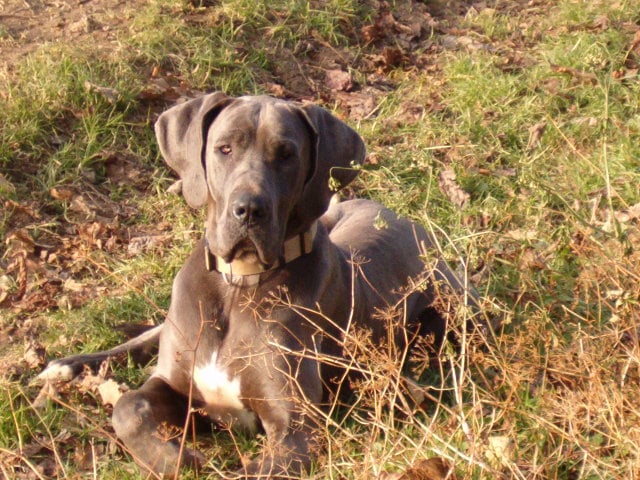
point(222, 393)
point(215, 385)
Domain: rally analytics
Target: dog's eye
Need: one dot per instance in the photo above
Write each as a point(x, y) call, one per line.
point(225, 149)
point(284, 153)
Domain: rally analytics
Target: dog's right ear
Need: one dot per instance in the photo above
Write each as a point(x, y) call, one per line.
point(182, 135)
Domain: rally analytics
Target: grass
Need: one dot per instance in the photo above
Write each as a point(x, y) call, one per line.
point(548, 234)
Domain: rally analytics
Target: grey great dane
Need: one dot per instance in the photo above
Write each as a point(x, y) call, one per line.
point(260, 311)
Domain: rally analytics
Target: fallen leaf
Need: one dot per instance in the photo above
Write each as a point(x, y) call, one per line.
point(92, 233)
point(628, 214)
point(141, 244)
point(20, 208)
point(435, 468)
point(372, 33)
point(532, 260)
point(277, 90)
point(5, 287)
point(111, 391)
point(505, 172)
point(175, 188)
point(61, 193)
point(20, 241)
point(372, 159)
point(72, 285)
point(383, 26)
point(111, 95)
point(6, 186)
point(358, 105)
point(47, 392)
point(601, 22)
point(522, 234)
point(87, 454)
point(108, 389)
point(122, 171)
point(49, 468)
point(499, 450)
point(390, 475)
point(393, 57)
point(89, 381)
point(34, 354)
point(159, 89)
point(625, 74)
point(579, 75)
point(18, 265)
point(455, 42)
point(79, 204)
point(339, 80)
point(86, 24)
point(410, 112)
point(535, 134)
point(453, 191)
point(635, 43)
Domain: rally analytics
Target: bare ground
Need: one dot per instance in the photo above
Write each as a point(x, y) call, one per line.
point(27, 24)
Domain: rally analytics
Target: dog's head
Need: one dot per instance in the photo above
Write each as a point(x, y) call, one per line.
point(266, 168)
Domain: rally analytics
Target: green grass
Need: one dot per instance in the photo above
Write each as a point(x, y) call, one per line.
point(543, 235)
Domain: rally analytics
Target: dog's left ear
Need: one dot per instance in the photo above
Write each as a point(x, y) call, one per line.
point(337, 150)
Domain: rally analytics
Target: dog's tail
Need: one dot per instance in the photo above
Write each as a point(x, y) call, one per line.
point(140, 348)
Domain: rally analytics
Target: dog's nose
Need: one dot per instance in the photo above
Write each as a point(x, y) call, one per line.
point(248, 208)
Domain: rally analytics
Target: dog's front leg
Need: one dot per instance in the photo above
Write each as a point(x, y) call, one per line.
point(148, 422)
point(289, 419)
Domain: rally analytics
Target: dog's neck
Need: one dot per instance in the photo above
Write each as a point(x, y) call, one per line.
point(248, 274)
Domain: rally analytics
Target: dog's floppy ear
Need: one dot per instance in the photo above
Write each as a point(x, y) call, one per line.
point(335, 150)
point(182, 133)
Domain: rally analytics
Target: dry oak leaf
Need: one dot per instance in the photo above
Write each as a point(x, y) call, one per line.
point(159, 89)
point(108, 389)
point(453, 191)
point(435, 468)
point(628, 214)
point(339, 80)
point(111, 95)
point(143, 243)
point(34, 354)
point(61, 193)
point(535, 134)
point(358, 105)
point(5, 185)
point(175, 188)
point(499, 450)
point(111, 391)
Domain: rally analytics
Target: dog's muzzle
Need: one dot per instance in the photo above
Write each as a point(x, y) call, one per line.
point(248, 274)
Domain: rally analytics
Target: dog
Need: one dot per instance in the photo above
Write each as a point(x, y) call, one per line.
point(281, 276)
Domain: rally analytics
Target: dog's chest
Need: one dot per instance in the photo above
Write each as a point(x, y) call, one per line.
point(221, 392)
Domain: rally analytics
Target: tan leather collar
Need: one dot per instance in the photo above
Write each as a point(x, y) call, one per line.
point(245, 274)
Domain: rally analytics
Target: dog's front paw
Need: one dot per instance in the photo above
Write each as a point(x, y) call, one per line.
point(192, 459)
point(153, 443)
point(164, 460)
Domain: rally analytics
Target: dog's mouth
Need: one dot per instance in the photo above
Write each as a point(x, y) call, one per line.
point(247, 251)
point(257, 245)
